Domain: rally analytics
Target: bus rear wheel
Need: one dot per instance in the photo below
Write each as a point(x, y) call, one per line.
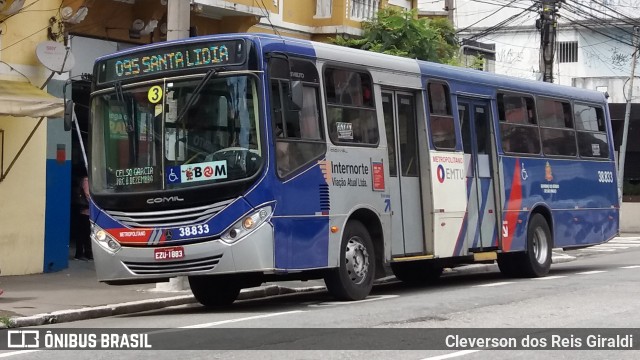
point(539, 243)
point(213, 292)
point(536, 260)
point(353, 279)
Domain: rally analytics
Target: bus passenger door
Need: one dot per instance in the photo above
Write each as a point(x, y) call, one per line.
point(475, 124)
point(399, 110)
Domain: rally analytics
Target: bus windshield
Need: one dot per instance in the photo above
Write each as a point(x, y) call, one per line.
point(175, 133)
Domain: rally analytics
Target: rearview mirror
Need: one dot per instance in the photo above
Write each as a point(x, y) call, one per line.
point(68, 115)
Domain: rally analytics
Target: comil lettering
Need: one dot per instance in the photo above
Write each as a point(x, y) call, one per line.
point(160, 200)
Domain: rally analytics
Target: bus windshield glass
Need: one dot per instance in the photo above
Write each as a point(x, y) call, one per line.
point(175, 133)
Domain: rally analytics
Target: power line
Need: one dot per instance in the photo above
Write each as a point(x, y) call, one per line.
point(268, 15)
point(616, 12)
point(577, 22)
point(500, 25)
point(23, 39)
point(594, 20)
point(597, 19)
point(23, 10)
point(497, 4)
point(484, 18)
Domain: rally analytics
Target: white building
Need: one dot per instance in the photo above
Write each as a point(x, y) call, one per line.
point(593, 41)
point(593, 48)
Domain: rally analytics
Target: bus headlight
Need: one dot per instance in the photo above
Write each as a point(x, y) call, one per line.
point(104, 239)
point(246, 225)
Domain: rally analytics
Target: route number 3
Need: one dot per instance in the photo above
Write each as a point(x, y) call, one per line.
point(155, 94)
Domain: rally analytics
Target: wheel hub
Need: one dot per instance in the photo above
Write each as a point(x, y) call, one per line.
point(357, 260)
point(540, 246)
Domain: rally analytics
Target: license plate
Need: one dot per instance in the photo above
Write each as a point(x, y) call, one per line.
point(170, 253)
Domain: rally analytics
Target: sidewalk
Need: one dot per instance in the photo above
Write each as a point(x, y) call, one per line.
point(74, 294)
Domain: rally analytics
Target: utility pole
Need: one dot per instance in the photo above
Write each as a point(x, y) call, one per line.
point(448, 7)
point(178, 19)
point(178, 22)
point(547, 24)
point(627, 111)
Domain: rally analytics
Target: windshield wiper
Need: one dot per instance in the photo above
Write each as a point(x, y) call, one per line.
point(195, 93)
point(126, 119)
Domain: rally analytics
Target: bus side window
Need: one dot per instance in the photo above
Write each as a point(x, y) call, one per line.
point(351, 114)
point(298, 133)
point(591, 131)
point(556, 127)
point(442, 126)
point(518, 126)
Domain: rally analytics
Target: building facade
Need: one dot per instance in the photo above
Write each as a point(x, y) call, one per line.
point(29, 118)
point(592, 49)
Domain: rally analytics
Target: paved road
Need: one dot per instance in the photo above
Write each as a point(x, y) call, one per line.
point(599, 290)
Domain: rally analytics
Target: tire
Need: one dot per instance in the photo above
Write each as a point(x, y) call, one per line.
point(416, 272)
point(508, 264)
point(213, 292)
point(537, 258)
point(353, 279)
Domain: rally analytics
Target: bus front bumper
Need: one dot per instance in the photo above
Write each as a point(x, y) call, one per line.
point(253, 253)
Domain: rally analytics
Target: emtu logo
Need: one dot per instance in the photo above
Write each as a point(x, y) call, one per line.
point(440, 173)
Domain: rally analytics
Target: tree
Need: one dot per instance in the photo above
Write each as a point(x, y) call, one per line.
point(400, 32)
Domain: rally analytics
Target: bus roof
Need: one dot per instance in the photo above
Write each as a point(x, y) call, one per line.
point(389, 62)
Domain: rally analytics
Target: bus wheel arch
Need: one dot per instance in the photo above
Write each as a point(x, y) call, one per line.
point(545, 212)
point(358, 258)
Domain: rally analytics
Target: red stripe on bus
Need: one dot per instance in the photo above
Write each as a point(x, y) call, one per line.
point(513, 206)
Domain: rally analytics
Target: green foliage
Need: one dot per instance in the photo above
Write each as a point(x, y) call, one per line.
point(6, 321)
point(477, 63)
point(401, 33)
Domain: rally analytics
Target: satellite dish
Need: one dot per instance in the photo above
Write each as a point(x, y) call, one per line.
point(10, 7)
point(55, 56)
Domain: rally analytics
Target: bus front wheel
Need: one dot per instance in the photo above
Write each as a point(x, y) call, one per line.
point(213, 291)
point(353, 279)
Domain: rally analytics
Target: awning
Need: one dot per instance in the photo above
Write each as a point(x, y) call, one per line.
point(23, 99)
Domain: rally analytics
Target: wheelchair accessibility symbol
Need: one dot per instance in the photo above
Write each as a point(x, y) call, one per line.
point(523, 173)
point(172, 177)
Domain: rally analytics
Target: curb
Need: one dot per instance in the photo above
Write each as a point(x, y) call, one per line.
point(556, 258)
point(94, 312)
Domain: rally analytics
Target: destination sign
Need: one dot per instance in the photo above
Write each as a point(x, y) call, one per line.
point(178, 57)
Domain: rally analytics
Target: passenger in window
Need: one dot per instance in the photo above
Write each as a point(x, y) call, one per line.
point(443, 132)
point(282, 152)
point(309, 118)
point(514, 110)
point(437, 95)
point(348, 87)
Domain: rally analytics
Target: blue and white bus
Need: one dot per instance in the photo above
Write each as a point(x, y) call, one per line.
point(238, 159)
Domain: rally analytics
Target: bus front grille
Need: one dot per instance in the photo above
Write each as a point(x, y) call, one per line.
point(169, 218)
point(160, 268)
